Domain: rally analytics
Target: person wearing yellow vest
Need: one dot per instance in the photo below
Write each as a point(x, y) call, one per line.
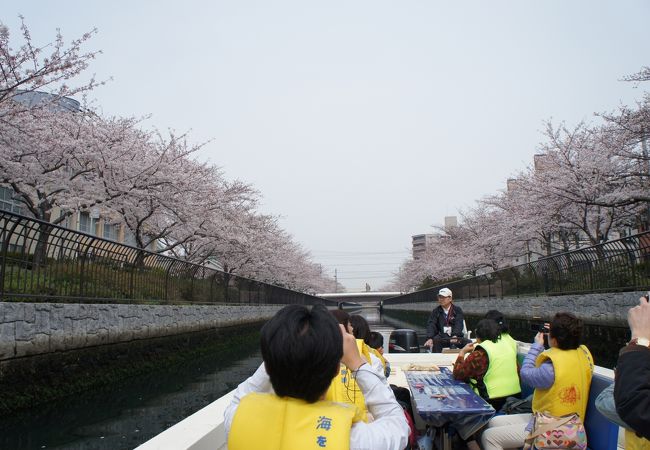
point(282, 406)
point(560, 375)
point(491, 366)
point(632, 382)
point(344, 388)
point(376, 343)
point(361, 330)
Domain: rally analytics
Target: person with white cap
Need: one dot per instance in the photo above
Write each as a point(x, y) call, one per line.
point(445, 325)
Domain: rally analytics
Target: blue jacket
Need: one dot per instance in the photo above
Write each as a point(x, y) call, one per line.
point(541, 377)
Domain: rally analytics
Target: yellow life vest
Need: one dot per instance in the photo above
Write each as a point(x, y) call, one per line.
point(266, 421)
point(634, 442)
point(501, 378)
point(570, 390)
point(344, 388)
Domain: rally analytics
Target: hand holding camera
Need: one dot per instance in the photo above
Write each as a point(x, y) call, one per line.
point(542, 330)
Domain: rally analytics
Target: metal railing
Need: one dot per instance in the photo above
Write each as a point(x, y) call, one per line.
point(620, 265)
point(44, 262)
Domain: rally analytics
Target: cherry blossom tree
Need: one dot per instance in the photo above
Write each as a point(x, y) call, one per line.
point(58, 156)
point(587, 184)
point(36, 67)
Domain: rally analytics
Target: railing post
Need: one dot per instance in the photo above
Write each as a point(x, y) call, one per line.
point(82, 268)
point(5, 248)
point(167, 275)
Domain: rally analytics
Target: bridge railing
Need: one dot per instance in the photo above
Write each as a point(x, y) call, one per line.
point(44, 262)
point(619, 265)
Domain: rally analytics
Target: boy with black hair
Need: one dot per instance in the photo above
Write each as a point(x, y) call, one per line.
point(281, 407)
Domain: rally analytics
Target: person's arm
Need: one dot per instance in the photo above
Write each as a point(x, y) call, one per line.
point(632, 385)
point(432, 324)
point(433, 328)
point(474, 366)
point(377, 365)
point(389, 429)
point(457, 328)
point(541, 377)
point(258, 382)
point(632, 389)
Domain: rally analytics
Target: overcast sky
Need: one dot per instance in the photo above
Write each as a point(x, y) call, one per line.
point(361, 122)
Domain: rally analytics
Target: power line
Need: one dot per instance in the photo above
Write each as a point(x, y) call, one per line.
point(363, 278)
point(366, 271)
point(392, 252)
point(359, 264)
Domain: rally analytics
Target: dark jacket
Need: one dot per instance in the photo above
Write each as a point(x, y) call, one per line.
point(437, 321)
point(632, 388)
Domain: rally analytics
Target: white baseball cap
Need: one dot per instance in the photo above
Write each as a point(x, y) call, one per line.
point(444, 292)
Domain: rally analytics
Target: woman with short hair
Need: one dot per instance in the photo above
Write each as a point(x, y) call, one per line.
point(560, 375)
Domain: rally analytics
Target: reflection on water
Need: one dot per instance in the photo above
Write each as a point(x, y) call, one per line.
point(604, 342)
point(126, 415)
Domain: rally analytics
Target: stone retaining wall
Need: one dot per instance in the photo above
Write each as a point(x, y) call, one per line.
point(607, 308)
point(28, 329)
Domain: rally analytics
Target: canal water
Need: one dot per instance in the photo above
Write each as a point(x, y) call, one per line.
point(129, 413)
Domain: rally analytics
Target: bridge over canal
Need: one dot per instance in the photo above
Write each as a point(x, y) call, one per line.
point(360, 299)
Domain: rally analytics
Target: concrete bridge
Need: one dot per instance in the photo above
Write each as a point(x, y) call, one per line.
point(359, 299)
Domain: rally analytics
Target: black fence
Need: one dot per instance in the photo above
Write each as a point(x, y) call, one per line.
point(620, 265)
point(44, 262)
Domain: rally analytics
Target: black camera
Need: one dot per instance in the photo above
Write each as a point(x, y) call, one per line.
point(539, 327)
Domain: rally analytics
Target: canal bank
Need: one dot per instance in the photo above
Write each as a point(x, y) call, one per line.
point(49, 351)
point(607, 308)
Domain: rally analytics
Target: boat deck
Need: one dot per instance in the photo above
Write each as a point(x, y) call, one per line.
point(204, 430)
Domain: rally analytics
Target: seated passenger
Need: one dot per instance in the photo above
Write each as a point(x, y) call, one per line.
point(343, 318)
point(491, 365)
point(344, 388)
point(376, 341)
point(504, 330)
point(361, 331)
point(560, 375)
point(632, 385)
point(445, 324)
point(281, 406)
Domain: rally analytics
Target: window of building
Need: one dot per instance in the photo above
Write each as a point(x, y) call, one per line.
point(7, 202)
point(110, 231)
point(85, 222)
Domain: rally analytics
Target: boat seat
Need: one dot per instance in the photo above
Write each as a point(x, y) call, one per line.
point(601, 433)
point(467, 333)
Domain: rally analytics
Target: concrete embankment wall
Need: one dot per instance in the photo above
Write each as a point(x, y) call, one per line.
point(606, 308)
point(50, 351)
point(29, 329)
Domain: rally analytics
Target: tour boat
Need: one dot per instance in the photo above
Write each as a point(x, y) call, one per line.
point(204, 430)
